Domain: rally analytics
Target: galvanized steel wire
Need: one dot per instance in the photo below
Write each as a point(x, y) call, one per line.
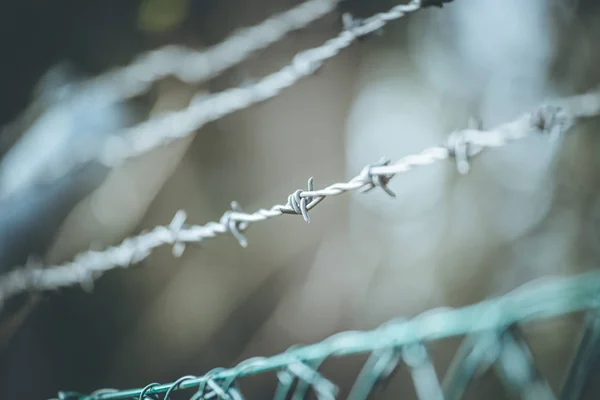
point(88, 266)
point(168, 127)
point(192, 66)
point(552, 120)
point(492, 322)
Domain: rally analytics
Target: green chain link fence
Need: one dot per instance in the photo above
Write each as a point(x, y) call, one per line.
point(493, 339)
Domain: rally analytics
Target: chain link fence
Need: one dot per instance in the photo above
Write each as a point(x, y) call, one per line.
point(493, 341)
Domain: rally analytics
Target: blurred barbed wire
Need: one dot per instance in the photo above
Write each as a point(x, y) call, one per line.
point(162, 130)
point(206, 108)
point(390, 344)
point(117, 147)
point(192, 66)
point(552, 119)
point(492, 337)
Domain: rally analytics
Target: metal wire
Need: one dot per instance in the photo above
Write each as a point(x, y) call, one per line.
point(404, 340)
point(495, 339)
point(162, 130)
point(132, 142)
point(192, 66)
point(188, 65)
point(550, 120)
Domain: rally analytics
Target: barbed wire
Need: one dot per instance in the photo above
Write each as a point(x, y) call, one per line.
point(203, 108)
point(186, 64)
point(539, 299)
point(191, 66)
point(395, 341)
point(552, 120)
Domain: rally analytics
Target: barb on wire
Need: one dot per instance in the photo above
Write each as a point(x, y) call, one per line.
point(92, 264)
point(538, 300)
point(159, 131)
point(552, 119)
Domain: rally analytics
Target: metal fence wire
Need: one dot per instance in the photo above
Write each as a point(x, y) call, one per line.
point(493, 341)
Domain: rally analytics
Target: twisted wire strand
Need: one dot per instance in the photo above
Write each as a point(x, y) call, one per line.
point(540, 299)
point(192, 66)
point(168, 127)
point(549, 119)
point(188, 65)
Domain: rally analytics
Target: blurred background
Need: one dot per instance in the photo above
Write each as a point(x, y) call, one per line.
point(525, 211)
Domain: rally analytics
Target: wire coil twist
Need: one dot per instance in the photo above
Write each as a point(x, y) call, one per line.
point(551, 120)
